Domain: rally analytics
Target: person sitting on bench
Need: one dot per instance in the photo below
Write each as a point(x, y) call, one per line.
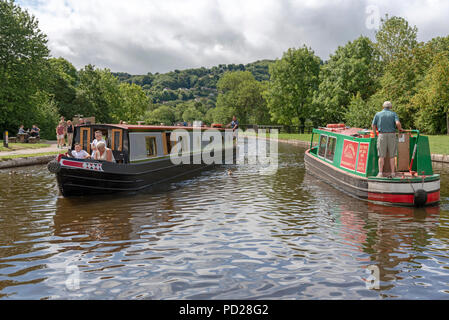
point(22, 130)
point(35, 131)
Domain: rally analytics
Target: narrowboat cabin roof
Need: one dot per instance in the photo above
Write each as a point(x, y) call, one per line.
point(132, 127)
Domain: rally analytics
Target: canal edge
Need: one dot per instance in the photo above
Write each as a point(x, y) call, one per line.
point(28, 161)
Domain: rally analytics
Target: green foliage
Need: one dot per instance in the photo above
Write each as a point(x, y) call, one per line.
point(360, 113)
point(352, 70)
point(133, 103)
point(432, 97)
point(402, 76)
point(173, 88)
point(220, 114)
point(100, 94)
point(62, 84)
point(46, 116)
point(192, 114)
point(162, 114)
point(395, 37)
point(23, 65)
point(240, 95)
point(294, 79)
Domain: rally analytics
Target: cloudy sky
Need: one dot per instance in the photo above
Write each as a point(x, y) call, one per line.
point(141, 36)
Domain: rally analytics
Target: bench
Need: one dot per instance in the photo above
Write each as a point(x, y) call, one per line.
point(22, 137)
point(12, 139)
point(34, 139)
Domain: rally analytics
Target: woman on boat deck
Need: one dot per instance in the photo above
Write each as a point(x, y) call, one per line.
point(386, 122)
point(103, 153)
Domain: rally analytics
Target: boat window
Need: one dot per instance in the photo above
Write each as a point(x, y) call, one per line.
point(323, 143)
point(85, 139)
point(330, 150)
point(151, 146)
point(116, 140)
point(166, 142)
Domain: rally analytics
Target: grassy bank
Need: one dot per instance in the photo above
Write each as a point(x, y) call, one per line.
point(16, 156)
point(439, 144)
point(21, 146)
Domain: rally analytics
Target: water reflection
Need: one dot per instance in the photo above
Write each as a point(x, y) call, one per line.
point(218, 236)
point(398, 240)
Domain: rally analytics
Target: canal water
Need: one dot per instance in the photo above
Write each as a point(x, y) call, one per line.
point(217, 235)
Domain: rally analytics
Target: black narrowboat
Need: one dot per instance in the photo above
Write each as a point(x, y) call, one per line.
point(143, 157)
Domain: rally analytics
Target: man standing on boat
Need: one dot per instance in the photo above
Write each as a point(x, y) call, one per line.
point(386, 122)
point(234, 123)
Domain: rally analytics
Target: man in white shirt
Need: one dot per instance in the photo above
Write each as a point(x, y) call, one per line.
point(79, 153)
point(98, 138)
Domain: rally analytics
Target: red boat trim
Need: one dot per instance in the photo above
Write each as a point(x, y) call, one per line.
point(69, 163)
point(401, 198)
point(93, 166)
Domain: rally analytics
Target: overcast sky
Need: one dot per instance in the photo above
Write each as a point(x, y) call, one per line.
point(141, 36)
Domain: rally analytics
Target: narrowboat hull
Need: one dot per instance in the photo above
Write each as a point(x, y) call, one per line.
point(403, 192)
point(81, 177)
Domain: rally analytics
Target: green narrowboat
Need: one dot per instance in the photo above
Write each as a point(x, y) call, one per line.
point(347, 159)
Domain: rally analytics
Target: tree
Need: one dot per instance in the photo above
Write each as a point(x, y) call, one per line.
point(163, 114)
point(352, 70)
point(240, 95)
point(401, 78)
point(98, 93)
point(191, 114)
point(132, 105)
point(360, 113)
point(46, 115)
point(294, 78)
point(394, 37)
point(63, 81)
point(432, 97)
point(220, 114)
point(23, 64)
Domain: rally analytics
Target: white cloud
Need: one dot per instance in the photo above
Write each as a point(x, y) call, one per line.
point(157, 36)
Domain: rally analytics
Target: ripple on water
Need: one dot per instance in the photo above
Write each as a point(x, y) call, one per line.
point(217, 236)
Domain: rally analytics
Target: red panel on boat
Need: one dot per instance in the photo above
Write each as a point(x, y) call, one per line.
point(388, 197)
point(401, 198)
point(72, 163)
point(363, 157)
point(433, 197)
point(349, 154)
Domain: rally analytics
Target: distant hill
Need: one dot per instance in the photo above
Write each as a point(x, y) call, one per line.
point(191, 84)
